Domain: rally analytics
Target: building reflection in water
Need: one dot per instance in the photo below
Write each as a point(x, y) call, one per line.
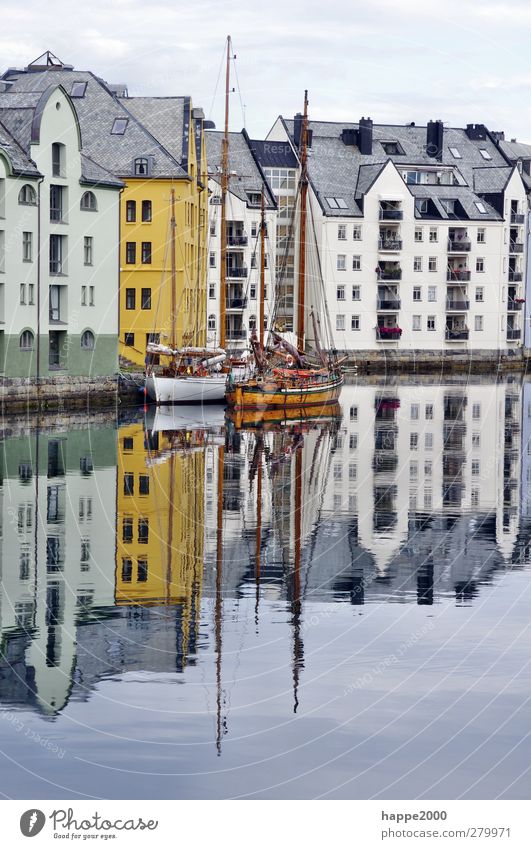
point(121, 547)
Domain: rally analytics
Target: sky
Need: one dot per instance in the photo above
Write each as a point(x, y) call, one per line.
point(397, 61)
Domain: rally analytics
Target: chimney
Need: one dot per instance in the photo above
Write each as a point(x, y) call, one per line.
point(498, 136)
point(297, 128)
point(434, 139)
point(476, 132)
point(365, 136)
point(349, 137)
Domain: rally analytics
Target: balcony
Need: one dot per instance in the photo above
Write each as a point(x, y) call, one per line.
point(516, 247)
point(515, 304)
point(388, 303)
point(458, 274)
point(513, 333)
point(391, 214)
point(454, 408)
point(456, 306)
point(459, 246)
point(237, 271)
point(236, 303)
point(390, 244)
point(237, 240)
point(517, 218)
point(389, 273)
point(232, 334)
point(515, 276)
point(388, 334)
point(456, 335)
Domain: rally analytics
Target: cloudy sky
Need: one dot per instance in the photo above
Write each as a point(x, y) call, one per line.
point(395, 60)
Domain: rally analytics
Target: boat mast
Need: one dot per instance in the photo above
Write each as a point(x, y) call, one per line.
point(303, 148)
point(219, 597)
point(296, 604)
point(258, 545)
point(261, 316)
point(224, 190)
point(173, 271)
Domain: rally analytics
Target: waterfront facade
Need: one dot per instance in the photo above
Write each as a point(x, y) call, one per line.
point(421, 235)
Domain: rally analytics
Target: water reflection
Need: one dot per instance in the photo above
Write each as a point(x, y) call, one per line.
point(122, 547)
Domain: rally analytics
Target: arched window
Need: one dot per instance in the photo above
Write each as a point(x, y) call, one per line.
point(26, 340)
point(212, 322)
point(88, 201)
point(141, 166)
point(252, 323)
point(87, 340)
point(27, 195)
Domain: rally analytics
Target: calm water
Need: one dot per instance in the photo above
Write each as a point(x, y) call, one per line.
point(337, 608)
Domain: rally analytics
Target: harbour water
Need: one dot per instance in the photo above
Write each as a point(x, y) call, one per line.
point(334, 608)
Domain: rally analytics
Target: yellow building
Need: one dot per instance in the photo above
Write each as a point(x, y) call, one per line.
point(145, 254)
point(160, 521)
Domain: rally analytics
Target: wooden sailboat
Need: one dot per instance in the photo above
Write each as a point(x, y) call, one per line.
point(285, 375)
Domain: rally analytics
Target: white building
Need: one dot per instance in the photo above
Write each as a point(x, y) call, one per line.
point(421, 235)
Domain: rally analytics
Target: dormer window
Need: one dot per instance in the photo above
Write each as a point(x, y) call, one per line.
point(336, 203)
point(485, 154)
point(119, 126)
point(412, 177)
point(141, 167)
point(421, 206)
point(455, 152)
point(480, 207)
point(392, 148)
point(448, 206)
point(78, 89)
point(255, 198)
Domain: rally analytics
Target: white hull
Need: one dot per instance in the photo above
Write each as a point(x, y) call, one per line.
point(186, 389)
point(185, 418)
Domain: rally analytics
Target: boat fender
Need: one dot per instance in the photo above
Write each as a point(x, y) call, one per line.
point(289, 360)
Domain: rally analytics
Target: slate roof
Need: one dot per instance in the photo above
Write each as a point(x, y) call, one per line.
point(247, 176)
point(96, 111)
point(274, 154)
point(515, 150)
point(164, 118)
point(21, 163)
point(339, 170)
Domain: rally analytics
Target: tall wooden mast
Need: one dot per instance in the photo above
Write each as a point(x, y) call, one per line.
point(224, 190)
point(262, 271)
point(303, 148)
point(219, 598)
point(173, 271)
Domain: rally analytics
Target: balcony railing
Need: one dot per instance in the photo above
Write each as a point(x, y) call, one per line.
point(390, 245)
point(391, 215)
point(240, 333)
point(389, 273)
point(457, 305)
point(237, 240)
point(237, 271)
point(513, 333)
point(458, 274)
point(388, 303)
point(236, 303)
point(514, 305)
point(456, 335)
point(517, 218)
point(388, 334)
point(516, 247)
point(515, 276)
point(458, 246)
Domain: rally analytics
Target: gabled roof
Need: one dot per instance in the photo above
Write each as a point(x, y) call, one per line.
point(164, 118)
point(20, 162)
point(246, 173)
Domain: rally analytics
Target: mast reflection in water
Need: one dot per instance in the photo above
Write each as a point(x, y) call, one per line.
point(307, 604)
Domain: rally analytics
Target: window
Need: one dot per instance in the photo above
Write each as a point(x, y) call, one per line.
point(355, 322)
point(130, 299)
point(432, 293)
point(417, 293)
point(352, 471)
point(475, 468)
point(143, 531)
point(212, 290)
point(212, 259)
point(479, 294)
point(428, 412)
point(353, 414)
point(356, 263)
point(340, 322)
point(127, 570)
point(128, 443)
point(357, 233)
point(26, 340)
point(421, 206)
point(448, 206)
point(129, 484)
point(430, 322)
point(455, 152)
point(141, 167)
point(412, 177)
point(146, 210)
point(145, 299)
point(476, 411)
point(87, 340)
point(146, 253)
point(27, 195)
point(392, 148)
point(91, 296)
point(413, 470)
point(428, 441)
point(213, 229)
point(415, 411)
point(338, 472)
point(480, 264)
point(434, 234)
point(478, 322)
point(31, 296)
point(56, 203)
point(416, 322)
point(480, 207)
point(211, 322)
point(356, 293)
point(476, 440)
point(253, 260)
point(481, 235)
point(417, 263)
point(119, 126)
point(142, 574)
point(127, 530)
point(83, 296)
point(143, 484)
point(341, 262)
point(78, 89)
point(130, 253)
point(129, 340)
point(353, 441)
point(432, 263)
point(130, 211)
point(419, 234)
point(56, 254)
point(336, 203)
point(27, 247)
point(413, 441)
point(22, 293)
point(428, 468)
point(340, 293)
point(87, 250)
point(341, 232)
point(485, 154)
point(88, 202)
point(58, 159)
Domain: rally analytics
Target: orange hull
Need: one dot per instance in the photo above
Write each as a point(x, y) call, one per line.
point(273, 417)
point(260, 395)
